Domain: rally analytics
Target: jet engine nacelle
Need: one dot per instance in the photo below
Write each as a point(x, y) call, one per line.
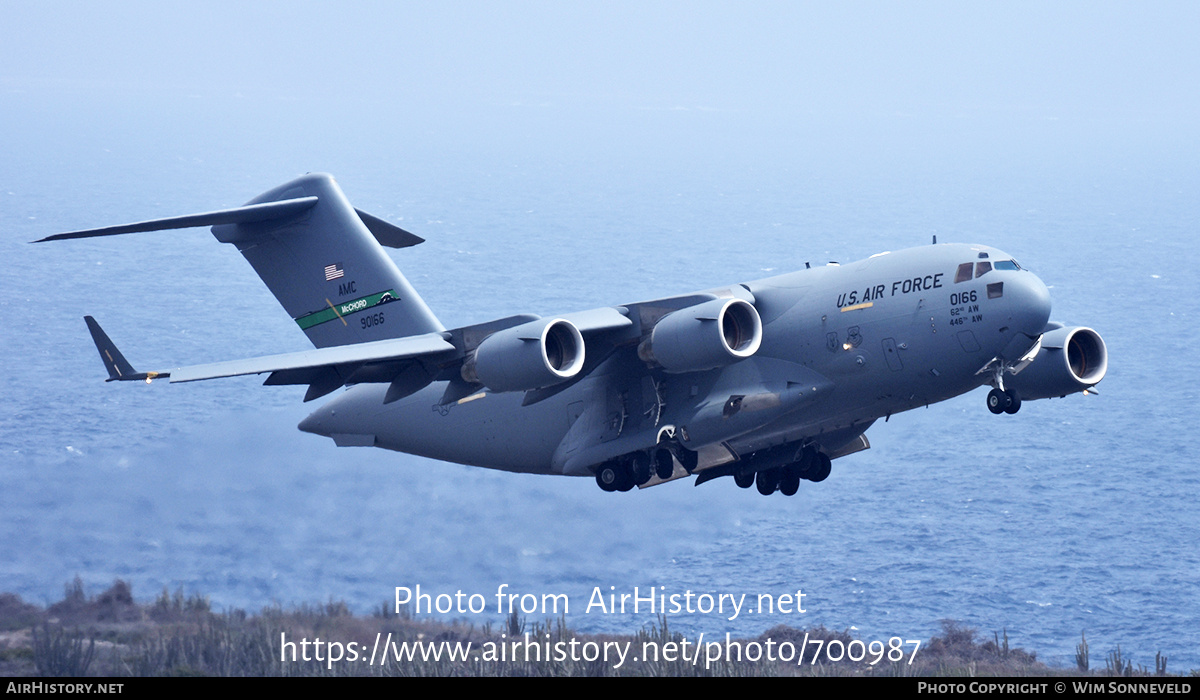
point(1070, 360)
point(529, 356)
point(713, 334)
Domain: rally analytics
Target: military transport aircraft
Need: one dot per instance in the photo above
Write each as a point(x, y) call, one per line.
point(765, 381)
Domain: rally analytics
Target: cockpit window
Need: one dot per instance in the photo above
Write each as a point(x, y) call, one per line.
point(964, 273)
point(982, 269)
point(1007, 265)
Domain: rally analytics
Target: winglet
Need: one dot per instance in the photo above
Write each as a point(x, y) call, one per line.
point(119, 369)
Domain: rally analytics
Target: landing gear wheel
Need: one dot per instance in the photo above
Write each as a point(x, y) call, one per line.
point(744, 480)
point(607, 477)
point(688, 459)
point(1014, 401)
point(998, 401)
point(806, 460)
point(790, 483)
point(767, 481)
point(664, 463)
point(820, 469)
point(640, 466)
point(624, 478)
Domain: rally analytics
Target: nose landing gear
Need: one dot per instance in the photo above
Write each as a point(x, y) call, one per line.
point(999, 399)
point(1003, 401)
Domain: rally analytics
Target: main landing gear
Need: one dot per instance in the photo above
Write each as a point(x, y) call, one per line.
point(637, 468)
point(813, 466)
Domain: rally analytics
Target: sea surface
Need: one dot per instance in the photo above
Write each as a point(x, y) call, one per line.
point(1076, 516)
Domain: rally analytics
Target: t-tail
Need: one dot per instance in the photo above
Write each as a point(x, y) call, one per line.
point(319, 256)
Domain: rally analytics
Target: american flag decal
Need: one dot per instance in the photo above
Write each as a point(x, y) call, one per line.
point(334, 271)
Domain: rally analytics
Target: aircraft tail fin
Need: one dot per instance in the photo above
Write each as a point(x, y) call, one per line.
point(319, 256)
point(327, 268)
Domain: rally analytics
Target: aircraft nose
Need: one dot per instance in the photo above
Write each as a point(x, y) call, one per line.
point(1030, 300)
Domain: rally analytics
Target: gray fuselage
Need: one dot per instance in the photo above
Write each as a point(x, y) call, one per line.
point(842, 345)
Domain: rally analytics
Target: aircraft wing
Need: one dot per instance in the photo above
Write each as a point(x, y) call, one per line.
point(296, 363)
point(595, 320)
point(396, 361)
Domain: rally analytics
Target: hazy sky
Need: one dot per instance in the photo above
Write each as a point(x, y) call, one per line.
point(866, 87)
point(1130, 58)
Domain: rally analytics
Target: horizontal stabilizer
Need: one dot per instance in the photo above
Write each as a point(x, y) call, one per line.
point(251, 213)
point(386, 233)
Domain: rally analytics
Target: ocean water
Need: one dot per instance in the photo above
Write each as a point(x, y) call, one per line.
point(1074, 516)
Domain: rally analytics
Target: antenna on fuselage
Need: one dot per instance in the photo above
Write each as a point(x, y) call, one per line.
point(935, 239)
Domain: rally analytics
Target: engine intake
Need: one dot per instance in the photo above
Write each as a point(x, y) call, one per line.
point(529, 356)
point(704, 336)
point(1071, 359)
